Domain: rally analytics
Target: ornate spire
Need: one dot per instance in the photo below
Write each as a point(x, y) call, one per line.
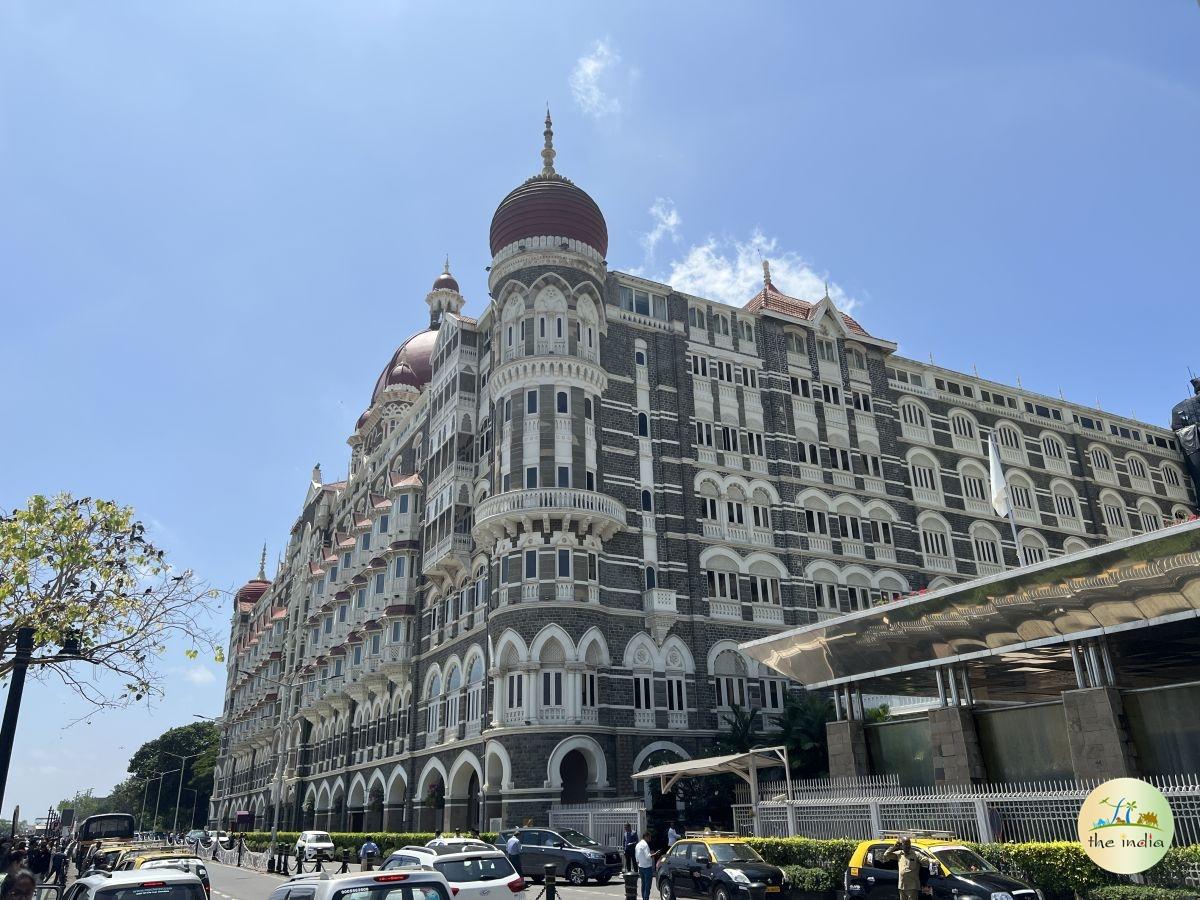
point(826, 288)
point(262, 565)
point(548, 151)
point(766, 274)
point(446, 268)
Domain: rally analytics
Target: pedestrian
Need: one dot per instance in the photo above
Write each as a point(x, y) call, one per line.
point(58, 865)
point(672, 835)
point(38, 861)
point(474, 834)
point(628, 842)
point(19, 885)
point(13, 863)
point(645, 863)
point(367, 853)
point(513, 849)
point(909, 865)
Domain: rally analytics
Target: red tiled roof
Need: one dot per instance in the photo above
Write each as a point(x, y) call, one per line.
point(771, 299)
point(400, 480)
point(380, 502)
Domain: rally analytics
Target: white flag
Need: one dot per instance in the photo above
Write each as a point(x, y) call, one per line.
point(999, 485)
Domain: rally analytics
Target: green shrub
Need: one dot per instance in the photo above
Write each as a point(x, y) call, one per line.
point(813, 881)
point(350, 840)
point(830, 856)
point(1141, 892)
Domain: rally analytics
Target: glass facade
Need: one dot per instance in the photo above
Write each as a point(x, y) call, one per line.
point(1164, 728)
point(1024, 743)
point(902, 747)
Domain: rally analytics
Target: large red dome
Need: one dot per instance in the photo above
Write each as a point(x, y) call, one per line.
point(549, 206)
point(249, 592)
point(411, 364)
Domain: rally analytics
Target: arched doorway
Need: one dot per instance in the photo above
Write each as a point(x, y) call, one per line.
point(472, 809)
point(574, 772)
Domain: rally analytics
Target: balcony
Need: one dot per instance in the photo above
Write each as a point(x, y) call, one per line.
point(1014, 455)
point(706, 456)
point(1056, 464)
point(810, 473)
point(884, 552)
point(763, 537)
point(451, 554)
point(987, 568)
point(529, 592)
point(874, 485)
point(1105, 476)
point(724, 609)
point(939, 563)
point(659, 600)
point(835, 417)
point(977, 507)
point(804, 409)
point(1026, 516)
point(964, 443)
point(509, 512)
point(712, 530)
point(865, 423)
point(739, 533)
point(1067, 523)
point(917, 433)
point(1175, 491)
point(820, 543)
point(589, 715)
point(564, 591)
point(851, 547)
point(677, 719)
point(842, 478)
point(927, 496)
point(643, 718)
point(767, 612)
point(553, 715)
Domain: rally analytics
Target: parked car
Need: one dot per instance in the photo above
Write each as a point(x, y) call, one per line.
point(413, 883)
point(197, 834)
point(410, 856)
point(575, 856)
point(312, 844)
point(718, 867)
point(137, 884)
point(475, 874)
point(952, 871)
point(168, 858)
point(458, 844)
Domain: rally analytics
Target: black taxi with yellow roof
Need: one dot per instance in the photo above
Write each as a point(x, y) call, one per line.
point(950, 870)
point(718, 866)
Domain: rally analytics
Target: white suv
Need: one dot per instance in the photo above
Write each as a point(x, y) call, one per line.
point(137, 884)
point(474, 875)
point(310, 844)
point(413, 883)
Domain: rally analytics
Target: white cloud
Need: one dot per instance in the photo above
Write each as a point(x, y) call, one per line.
point(199, 675)
point(730, 271)
point(666, 224)
point(587, 78)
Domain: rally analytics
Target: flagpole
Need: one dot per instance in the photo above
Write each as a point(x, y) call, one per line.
point(1012, 520)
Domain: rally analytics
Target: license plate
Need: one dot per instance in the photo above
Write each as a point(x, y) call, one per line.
point(772, 889)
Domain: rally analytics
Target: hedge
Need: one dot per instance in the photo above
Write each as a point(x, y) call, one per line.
point(352, 840)
point(1060, 869)
point(817, 881)
point(1141, 892)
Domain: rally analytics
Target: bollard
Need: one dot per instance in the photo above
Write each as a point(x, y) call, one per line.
point(271, 862)
point(299, 861)
point(551, 887)
point(241, 848)
point(345, 862)
point(631, 885)
point(282, 868)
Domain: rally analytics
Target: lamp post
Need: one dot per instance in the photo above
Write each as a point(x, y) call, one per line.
point(179, 793)
point(158, 795)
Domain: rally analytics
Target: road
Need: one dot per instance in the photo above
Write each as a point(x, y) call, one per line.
point(232, 883)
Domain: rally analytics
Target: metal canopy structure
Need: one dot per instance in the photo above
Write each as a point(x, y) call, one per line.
point(1017, 629)
point(744, 765)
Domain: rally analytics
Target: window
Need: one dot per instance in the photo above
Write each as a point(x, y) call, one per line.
point(552, 694)
point(508, 410)
point(1064, 505)
point(808, 453)
point(773, 692)
point(850, 527)
point(376, 642)
point(722, 585)
point(346, 560)
point(760, 515)
point(1170, 476)
point(590, 480)
point(1137, 468)
point(647, 504)
point(826, 350)
point(564, 476)
point(1022, 496)
point(1032, 552)
point(699, 365)
point(1009, 437)
point(730, 675)
point(987, 548)
point(764, 589)
point(558, 327)
point(651, 578)
point(531, 476)
point(839, 459)
point(861, 401)
point(342, 611)
point(639, 358)
point(796, 343)
point(675, 695)
point(883, 532)
point(914, 415)
point(561, 401)
point(1150, 519)
point(643, 425)
point(800, 386)
point(1100, 459)
point(816, 521)
point(383, 523)
point(859, 596)
point(704, 434)
point(1052, 447)
point(531, 564)
point(826, 593)
point(962, 426)
point(643, 692)
point(973, 485)
point(858, 359)
point(708, 508)
point(516, 690)
point(830, 393)
point(934, 541)
point(752, 443)
point(924, 477)
point(531, 401)
point(564, 563)
point(735, 513)
point(872, 465)
point(364, 541)
point(380, 578)
point(587, 408)
point(695, 317)
point(587, 689)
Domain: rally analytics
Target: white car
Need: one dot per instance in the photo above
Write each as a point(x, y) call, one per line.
point(412, 883)
point(458, 844)
point(480, 875)
point(310, 844)
point(410, 856)
point(136, 884)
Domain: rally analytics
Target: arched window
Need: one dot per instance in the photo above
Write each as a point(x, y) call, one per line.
point(1033, 548)
point(729, 672)
point(561, 400)
point(722, 576)
point(1150, 516)
point(587, 407)
point(1054, 453)
point(553, 665)
point(651, 578)
point(475, 691)
point(1010, 442)
point(1171, 476)
point(926, 480)
point(1112, 509)
point(936, 545)
point(639, 358)
point(974, 482)
point(643, 425)
point(963, 432)
point(647, 503)
point(985, 544)
point(453, 684)
point(1101, 461)
point(1066, 505)
point(764, 584)
point(914, 421)
point(433, 700)
point(1024, 501)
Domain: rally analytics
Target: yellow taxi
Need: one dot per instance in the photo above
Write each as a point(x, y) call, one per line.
point(717, 866)
point(950, 870)
point(166, 857)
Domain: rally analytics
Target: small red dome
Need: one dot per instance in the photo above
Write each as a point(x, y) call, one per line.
point(549, 206)
point(445, 282)
point(249, 593)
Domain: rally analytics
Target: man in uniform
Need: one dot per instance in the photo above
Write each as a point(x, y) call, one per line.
point(908, 862)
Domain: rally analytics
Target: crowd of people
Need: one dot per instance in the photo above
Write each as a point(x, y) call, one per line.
point(28, 863)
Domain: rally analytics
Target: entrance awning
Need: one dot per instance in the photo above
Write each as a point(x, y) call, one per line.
point(744, 765)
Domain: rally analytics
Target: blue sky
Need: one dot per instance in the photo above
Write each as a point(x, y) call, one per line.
point(217, 220)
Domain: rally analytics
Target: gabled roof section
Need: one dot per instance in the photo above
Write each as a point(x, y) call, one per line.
point(772, 300)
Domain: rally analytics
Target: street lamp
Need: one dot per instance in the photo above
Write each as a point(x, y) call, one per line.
point(179, 793)
point(158, 794)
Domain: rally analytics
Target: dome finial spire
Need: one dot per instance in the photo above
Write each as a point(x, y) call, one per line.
point(548, 150)
point(766, 273)
point(446, 268)
point(262, 565)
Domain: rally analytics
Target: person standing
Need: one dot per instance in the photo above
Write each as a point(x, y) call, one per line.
point(645, 863)
point(629, 842)
point(672, 835)
point(367, 853)
point(908, 862)
point(513, 849)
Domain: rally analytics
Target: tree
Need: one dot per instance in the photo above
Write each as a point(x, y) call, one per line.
point(199, 741)
point(742, 734)
point(802, 731)
point(82, 573)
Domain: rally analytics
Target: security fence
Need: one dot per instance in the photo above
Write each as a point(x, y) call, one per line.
point(1036, 811)
point(602, 822)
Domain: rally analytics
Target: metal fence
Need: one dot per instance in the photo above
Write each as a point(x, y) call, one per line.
point(1036, 811)
point(602, 822)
